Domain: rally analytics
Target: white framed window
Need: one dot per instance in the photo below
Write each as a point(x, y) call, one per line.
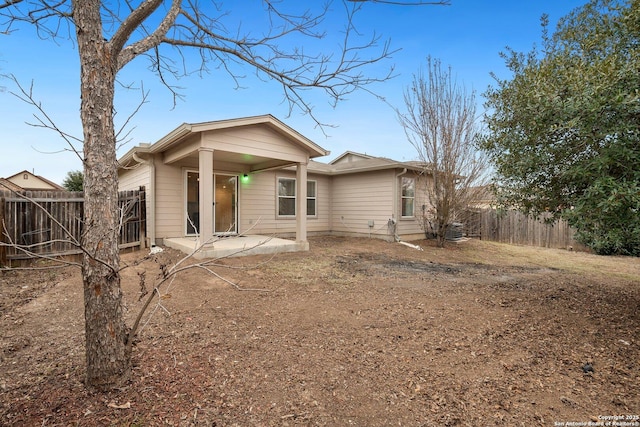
point(287, 197)
point(311, 198)
point(191, 202)
point(408, 196)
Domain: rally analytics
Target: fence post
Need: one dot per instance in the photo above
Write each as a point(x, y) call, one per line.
point(3, 252)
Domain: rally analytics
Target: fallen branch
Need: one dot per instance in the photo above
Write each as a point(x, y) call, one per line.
point(169, 275)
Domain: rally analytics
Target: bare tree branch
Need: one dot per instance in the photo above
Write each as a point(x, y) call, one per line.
point(229, 282)
point(109, 35)
point(26, 249)
point(295, 70)
point(168, 275)
point(407, 3)
point(40, 14)
point(133, 21)
point(440, 123)
point(122, 134)
point(8, 3)
point(44, 121)
point(188, 25)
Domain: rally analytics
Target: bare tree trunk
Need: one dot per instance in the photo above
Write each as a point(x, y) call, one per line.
point(440, 123)
point(441, 235)
point(107, 356)
point(184, 25)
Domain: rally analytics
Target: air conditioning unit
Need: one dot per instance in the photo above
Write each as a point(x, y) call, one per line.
point(455, 231)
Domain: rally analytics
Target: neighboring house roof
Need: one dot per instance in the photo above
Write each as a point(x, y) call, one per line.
point(483, 196)
point(5, 184)
point(29, 181)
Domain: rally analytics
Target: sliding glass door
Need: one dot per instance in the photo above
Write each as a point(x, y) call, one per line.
point(225, 201)
point(225, 196)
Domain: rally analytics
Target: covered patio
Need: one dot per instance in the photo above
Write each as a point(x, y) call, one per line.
point(233, 246)
point(209, 184)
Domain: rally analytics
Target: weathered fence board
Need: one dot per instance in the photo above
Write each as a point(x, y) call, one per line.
point(519, 229)
point(39, 223)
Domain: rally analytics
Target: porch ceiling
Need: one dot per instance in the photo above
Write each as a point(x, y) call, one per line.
point(241, 161)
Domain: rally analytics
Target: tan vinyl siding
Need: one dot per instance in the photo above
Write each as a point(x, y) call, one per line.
point(360, 198)
point(256, 141)
point(258, 205)
point(322, 222)
point(169, 201)
point(357, 194)
point(345, 203)
point(185, 149)
point(134, 178)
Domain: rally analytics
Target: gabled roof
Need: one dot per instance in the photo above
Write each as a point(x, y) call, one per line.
point(5, 184)
point(350, 156)
point(351, 162)
point(183, 131)
point(54, 186)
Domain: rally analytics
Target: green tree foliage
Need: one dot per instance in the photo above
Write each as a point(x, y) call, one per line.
point(73, 181)
point(563, 132)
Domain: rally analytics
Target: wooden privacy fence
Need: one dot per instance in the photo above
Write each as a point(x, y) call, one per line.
point(520, 229)
point(44, 223)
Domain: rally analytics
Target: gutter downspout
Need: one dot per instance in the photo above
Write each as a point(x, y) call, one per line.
point(396, 203)
point(151, 207)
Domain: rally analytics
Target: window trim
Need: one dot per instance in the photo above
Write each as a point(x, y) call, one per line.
point(185, 203)
point(295, 197)
point(314, 198)
point(403, 197)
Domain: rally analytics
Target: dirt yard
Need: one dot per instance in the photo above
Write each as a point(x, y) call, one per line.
point(355, 332)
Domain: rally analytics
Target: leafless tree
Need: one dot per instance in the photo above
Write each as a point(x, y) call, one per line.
point(440, 122)
point(108, 36)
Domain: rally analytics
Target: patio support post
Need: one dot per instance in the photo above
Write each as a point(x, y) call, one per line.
point(301, 200)
point(205, 188)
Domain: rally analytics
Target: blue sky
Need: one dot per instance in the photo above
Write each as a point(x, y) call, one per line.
point(468, 36)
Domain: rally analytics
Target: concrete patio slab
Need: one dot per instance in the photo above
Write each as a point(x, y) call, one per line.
point(243, 245)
